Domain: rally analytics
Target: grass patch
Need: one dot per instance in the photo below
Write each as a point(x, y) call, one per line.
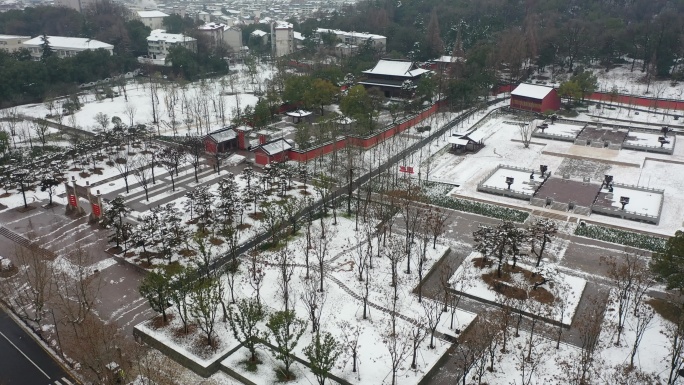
point(251, 366)
point(668, 310)
point(283, 375)
point(622, 237)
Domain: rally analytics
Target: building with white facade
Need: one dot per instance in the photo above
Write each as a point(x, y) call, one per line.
point(79, 5)
point(64, 46)
point(152, 19)
point(356, 39)
point(282, 38)
point(159, 43)
point(222, 35)
point(12, 43)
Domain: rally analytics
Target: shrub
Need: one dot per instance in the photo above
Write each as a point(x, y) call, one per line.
point(622, 237)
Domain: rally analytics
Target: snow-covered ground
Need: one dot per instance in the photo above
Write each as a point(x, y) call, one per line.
point(502, 146)
point(139, 105)
point(564, 287)
point(521, 180)
point(648, 139)
point(642, 202)
point(339, 307)
point(563, 129)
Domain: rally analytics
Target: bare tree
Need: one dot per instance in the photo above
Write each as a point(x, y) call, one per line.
point(623, 273)
point(313, 301)
point(322, 240)
point(350, 336)
point(525, 130)
point(433, 313)
point(286, 267)
point(675, 359)
point(29, 291)
point(398, 344)
point(644, 317)
point(130, 112)
point(417, 337)
point(142, 171)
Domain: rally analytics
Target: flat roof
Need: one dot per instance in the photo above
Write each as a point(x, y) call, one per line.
point(160, 34)
point(14, 37)
point(258, 32)
point(63, 42)
point(531, 91)
point(361, 35)
point(152, 14)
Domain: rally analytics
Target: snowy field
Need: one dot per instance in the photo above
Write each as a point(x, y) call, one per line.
point(187, 99)
point(648, 139)
point(566, 288)
point(641, 202)
point(521, 181)
point(562, 129)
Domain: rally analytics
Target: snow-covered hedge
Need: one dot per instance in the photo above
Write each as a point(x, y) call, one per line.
point(622, 237)
point(485, 209)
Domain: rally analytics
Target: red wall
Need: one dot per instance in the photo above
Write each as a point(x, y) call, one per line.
point(527, 104)
point(622, 99)
point(551, 101)
point(261, 158)
point(303, 156)
point(638, 101)
point(209, 145)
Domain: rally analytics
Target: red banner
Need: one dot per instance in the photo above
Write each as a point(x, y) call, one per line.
point(96, 209)
point(408, 169)
point(72, 200)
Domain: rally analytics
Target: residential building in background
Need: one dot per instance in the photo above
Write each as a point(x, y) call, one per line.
point(12, 43)
point(159, 43)
point(352, 40)
point(152, 19)
point(222, 35)
point(64, 46)
point(79, 5)
point(282, 38)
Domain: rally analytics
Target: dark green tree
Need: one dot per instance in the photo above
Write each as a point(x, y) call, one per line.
point(668, 265)
point(286, 330)
point(156, 288)
point(244, 318)
point(322, 353)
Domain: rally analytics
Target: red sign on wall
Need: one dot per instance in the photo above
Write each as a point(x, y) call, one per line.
point(96, 209)
point(408, 169)
point(72, 200)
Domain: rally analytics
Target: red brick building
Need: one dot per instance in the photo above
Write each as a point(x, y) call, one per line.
point(275, 151)
point(530, 97)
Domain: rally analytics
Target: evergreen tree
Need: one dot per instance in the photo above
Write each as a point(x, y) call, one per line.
point(322, 353)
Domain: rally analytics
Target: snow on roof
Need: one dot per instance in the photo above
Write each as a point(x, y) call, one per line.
point(161, 35)
point(63, 42)
point(277, 146)
point(298, 36)
point(448, 59)
point(360, 35)
point(2, 37)
point(210, 26)
point(152, 14)
point(258, 32)
point(476, 136)
point(531, 91)
point(299, 113)
point(396, 68)
point(458, 140)
point(283, 25)
point(223, 135)
point(243, 128)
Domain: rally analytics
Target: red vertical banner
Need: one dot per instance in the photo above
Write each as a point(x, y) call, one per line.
point(72, 200)
point(96, 209)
